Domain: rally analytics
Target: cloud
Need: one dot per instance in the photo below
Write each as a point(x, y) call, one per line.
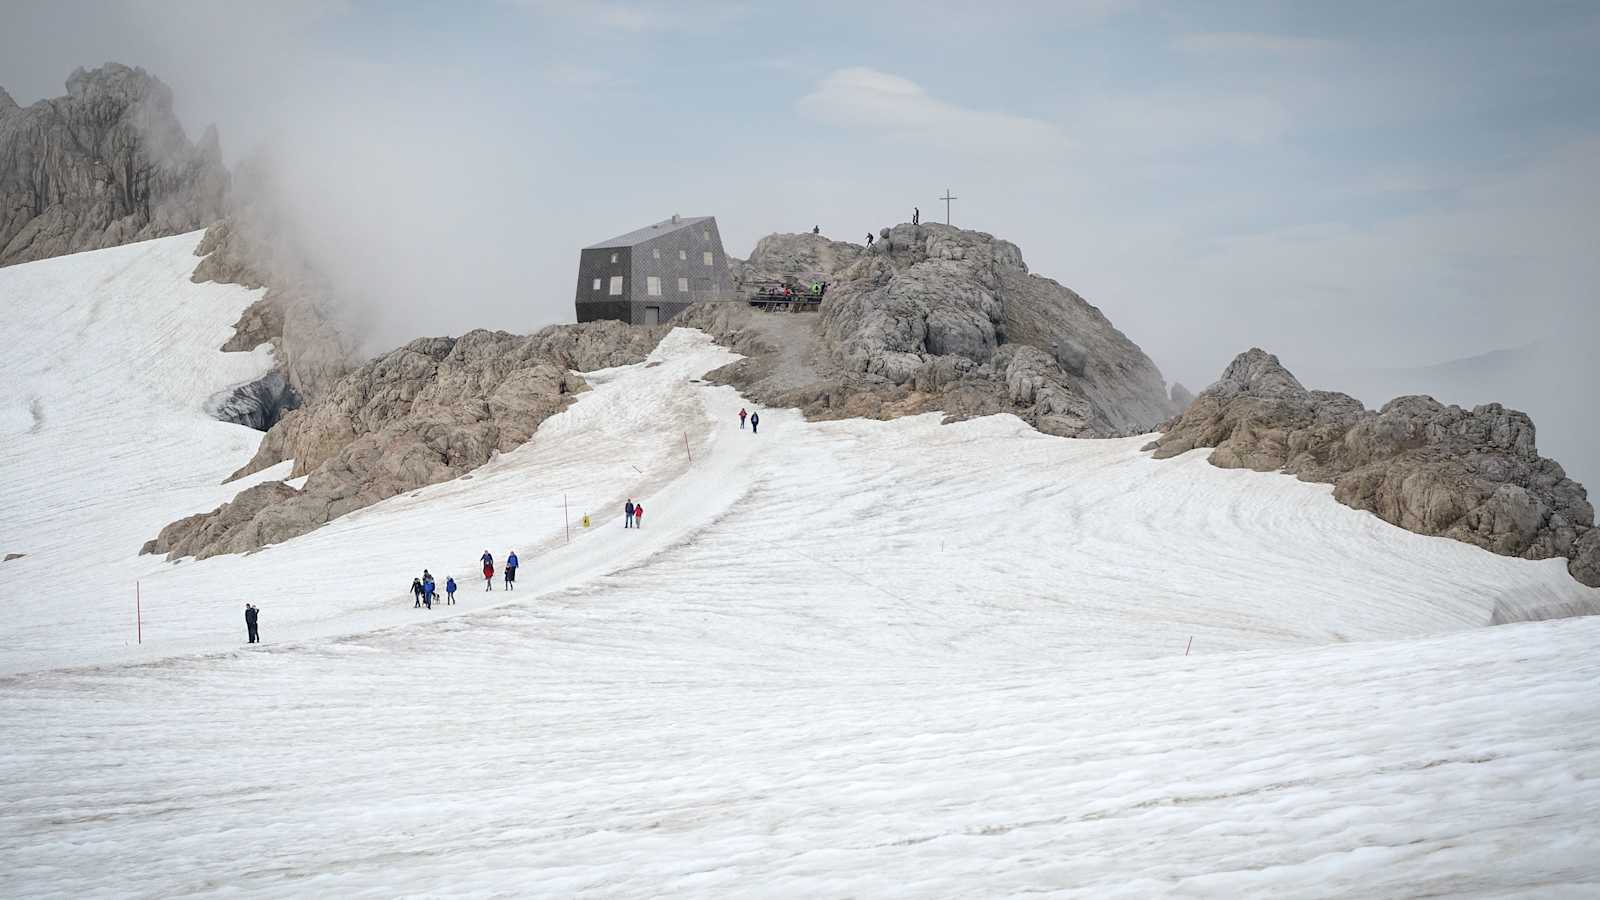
point(869, 100)
point(1241, 42)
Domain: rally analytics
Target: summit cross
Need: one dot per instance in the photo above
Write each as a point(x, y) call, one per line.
point(947, 198)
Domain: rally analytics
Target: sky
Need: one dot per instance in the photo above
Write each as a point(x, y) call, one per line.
point(1352, 186)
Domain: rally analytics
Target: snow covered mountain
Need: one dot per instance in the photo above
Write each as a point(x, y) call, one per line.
point(841, 658)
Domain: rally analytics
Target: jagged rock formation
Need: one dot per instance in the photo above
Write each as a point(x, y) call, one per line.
point(1472, 475)
point(797, 258)
point(424, 413)
point(934, 318)
point(107, 164)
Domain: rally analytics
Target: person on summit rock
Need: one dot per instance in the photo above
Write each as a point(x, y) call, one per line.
point(450, 590)
point(627, 512)
point(916, 216)
point(869, 239)
point(755, 422)
point(816, 229)
point(742, 416)
point(638, 515)
point(511, 571)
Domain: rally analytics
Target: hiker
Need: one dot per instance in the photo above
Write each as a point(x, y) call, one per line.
point(416, 589)
point(755, 422)
point(511, 571)
point(488, 575)
point(916, 216)
point(869, 240)
point(742, 416)
point(250, 614)
point(450, 589)
point(638, 515)
point(627, 512)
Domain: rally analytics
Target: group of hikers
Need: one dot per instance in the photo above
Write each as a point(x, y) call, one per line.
point(425, 589)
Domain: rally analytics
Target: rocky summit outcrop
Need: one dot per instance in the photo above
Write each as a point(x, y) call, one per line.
point(1472, 475)
point(424, 413)
point(934, 318)
point(105, 165)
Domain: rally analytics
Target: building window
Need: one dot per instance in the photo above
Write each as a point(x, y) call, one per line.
point(705, 235)
point(707, 257)
point(597, 284)
point(656, 253)
point(613, 257)
point(683, 254)
point(683, 285)
point(616, 285)
point(652, 286)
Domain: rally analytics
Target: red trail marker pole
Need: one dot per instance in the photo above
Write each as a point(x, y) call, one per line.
point(138, 614)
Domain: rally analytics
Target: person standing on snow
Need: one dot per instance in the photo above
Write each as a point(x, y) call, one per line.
point(511, 571)
point(628, 511)
point(488, 576)
point(742, 416)
point(250, 614)
point(638, 515)
point(416, 589)
point(755, 422)
point(450, 589)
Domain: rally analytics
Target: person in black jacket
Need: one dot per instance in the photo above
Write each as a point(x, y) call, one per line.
point(250, 614)
point(755, 422)
point(416, 589)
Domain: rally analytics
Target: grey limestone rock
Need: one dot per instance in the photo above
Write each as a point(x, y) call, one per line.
point(1473, 475)
point(936, 318)
point(420, 414)
point(107, 164)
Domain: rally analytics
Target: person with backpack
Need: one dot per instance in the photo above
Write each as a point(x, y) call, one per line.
point(450, 590)
point(511, 571)
point(742, 416)
point(416, 589)
point(488, 570)
point(755, 422)
point(627, 511)
point(638, 515)
point(250, 616)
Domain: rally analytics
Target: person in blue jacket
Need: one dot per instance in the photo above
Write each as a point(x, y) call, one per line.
point(511, 571)
point(450, 590)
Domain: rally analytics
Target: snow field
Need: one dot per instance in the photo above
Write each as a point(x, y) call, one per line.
point(846, 658)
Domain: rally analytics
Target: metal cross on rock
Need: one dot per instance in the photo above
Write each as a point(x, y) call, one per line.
point(947, 198)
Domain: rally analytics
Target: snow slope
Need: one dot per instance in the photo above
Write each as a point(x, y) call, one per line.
point(849, 658)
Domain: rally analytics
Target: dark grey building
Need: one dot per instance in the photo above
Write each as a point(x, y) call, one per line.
point(652, 274)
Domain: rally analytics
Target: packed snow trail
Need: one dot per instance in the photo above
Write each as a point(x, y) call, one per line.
point(523, 753)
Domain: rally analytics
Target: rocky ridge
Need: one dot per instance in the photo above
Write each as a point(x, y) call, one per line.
point(1472, 475)
point(933, 318)
point(105, 165)
point(418, 415)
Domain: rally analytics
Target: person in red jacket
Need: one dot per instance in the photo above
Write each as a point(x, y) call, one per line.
point(488, 575)
point(742, 416)
point(638, 515)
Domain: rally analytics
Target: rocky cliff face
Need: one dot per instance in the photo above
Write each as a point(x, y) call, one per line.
point(424, 413)
point(1472, 475)
point(935, 318)
point(107, 164)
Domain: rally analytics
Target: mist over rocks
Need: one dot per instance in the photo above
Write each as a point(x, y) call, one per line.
point(933, 318)
point(1471, 475)
point(420, 414)
point(106, 164)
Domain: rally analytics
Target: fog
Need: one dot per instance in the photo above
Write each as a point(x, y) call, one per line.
point(1355, 193)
